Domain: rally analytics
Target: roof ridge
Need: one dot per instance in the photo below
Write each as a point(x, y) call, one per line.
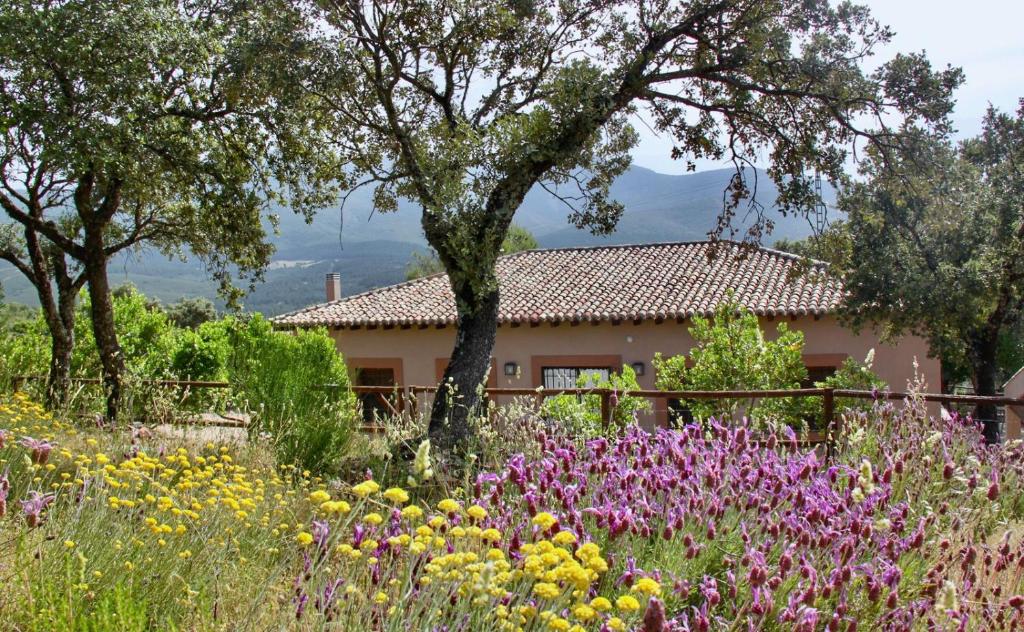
point(695, 242)
point(759, 256)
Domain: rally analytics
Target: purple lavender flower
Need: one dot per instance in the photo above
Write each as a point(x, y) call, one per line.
point(40, 449)
point(34, 507)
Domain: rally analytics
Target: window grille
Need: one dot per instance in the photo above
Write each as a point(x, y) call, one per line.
point(559, 377)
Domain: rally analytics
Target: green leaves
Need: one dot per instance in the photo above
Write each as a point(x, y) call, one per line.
point(187, 117)
point(731, 353)
point(936, 233)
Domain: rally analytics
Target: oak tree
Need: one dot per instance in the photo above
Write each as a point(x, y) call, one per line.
point(937, 245)
point(169, 123)
point(463, 107)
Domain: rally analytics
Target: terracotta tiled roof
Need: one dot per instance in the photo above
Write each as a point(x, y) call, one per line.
point(642, 282)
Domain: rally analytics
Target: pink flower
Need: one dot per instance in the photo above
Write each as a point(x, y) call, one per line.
point(40, 449)
point(5, 487)
point(34, 507)
point(654, 616)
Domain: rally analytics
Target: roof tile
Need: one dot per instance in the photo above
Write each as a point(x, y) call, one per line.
point(640, 282)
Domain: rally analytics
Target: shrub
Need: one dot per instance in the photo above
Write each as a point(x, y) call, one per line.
point(297, 389)
point(203, 354)
point(731, 353)
point(581, 416)
point(913, 525)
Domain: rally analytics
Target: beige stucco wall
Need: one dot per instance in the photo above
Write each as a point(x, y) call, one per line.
point(420, 349)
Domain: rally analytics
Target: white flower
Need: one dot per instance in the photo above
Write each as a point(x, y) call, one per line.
point(869, 359)
point(947, 598)
point(422, 461)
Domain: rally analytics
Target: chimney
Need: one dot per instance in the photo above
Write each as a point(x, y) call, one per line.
point(333, 285)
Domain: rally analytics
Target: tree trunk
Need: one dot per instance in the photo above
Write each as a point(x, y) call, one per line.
point(985, 378)
point(58, 382)
point(458, 394)
point(102, 312)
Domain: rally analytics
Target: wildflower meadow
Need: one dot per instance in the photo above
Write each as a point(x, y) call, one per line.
point(915, 524)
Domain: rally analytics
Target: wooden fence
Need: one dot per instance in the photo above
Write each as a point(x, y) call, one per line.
point(396, 399)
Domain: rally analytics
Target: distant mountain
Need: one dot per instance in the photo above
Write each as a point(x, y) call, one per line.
point(372, 249)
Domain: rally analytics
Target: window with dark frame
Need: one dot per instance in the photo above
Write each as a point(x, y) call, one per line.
point(371, 404)
point(817, 374)
point(559, 377)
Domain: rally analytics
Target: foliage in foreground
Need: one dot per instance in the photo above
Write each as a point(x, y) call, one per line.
point(279, 379)
point(913, 526)
point(581, 416)
point(731, 352)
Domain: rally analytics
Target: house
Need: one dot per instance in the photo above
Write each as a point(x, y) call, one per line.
point(566, 310)
point(1014, 387)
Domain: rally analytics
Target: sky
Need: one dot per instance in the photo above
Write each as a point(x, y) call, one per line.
point(983, 37)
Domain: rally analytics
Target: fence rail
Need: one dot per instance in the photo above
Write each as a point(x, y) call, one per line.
point(388, 396)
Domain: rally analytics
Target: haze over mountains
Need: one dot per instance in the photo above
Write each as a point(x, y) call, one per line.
point(371, 251)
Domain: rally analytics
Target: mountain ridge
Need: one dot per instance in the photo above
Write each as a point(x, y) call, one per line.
point(373, 252)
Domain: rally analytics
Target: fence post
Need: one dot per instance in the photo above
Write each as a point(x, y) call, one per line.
point(606, 409)
point(831, 431)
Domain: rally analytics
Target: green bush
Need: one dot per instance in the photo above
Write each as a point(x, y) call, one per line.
point(731, 353)
point(581, 416)
point(297, 389)
point(146, 335)
point(203, 354)
point(24, 350)
point(853, 375)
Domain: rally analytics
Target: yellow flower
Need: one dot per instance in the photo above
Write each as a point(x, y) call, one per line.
point(495, 555)
point(69, 544)
point(627, 603)
point(547, 590)
point(584, 612)
point(412, 512)
point(476, 512)
point(588, 551)
point(304, 538)
point(615, 624)
point(647, 586)
point(448, 505)
point(319, 496)
point(564, 538)
point(559, 624)
point(369, 545)
point(365, 489)
point(373, 518)
point(335, 506)
point(396, 495)
point(544, 520)
point(380, 597)
point(491, 535)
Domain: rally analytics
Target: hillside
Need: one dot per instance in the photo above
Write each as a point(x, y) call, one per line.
point(372, 249)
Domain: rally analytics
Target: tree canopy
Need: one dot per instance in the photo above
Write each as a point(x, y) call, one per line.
point(937, 243)
point(169, 123)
